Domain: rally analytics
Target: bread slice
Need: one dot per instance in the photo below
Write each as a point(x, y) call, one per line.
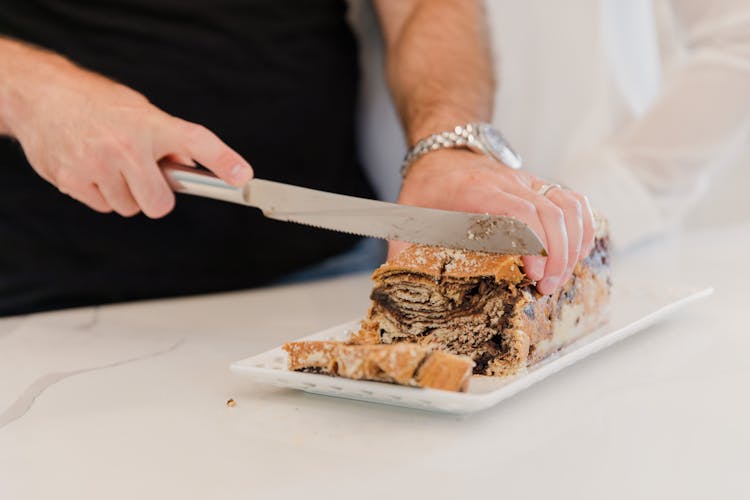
point(483, 305)
point(406, 364)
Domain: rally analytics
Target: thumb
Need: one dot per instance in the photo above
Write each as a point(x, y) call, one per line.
point(395, 248)
point(195, 141)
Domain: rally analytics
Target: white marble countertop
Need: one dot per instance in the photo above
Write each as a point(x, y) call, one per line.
point(128, 401)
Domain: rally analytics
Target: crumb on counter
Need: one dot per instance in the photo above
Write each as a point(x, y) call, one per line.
point(231, 402)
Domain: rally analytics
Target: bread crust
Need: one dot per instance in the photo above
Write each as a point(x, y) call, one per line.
point(405, 364)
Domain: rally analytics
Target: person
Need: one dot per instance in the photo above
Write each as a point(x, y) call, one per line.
point(652, 110)
point(97, 94)
point(650, 115)
point(643, 105)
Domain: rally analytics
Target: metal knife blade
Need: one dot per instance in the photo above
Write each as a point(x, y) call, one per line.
point(349, 214)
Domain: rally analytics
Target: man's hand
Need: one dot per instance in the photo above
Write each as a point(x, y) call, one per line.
point(99, 141)
point(440, 72)
point(469, 182)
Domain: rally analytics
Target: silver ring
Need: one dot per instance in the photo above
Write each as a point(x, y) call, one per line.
point(546, 188)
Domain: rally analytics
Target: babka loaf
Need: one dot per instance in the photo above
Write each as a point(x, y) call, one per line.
point(453, 312)
point(483, 306)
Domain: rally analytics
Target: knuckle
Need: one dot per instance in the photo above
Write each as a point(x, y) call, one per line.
point(119, 147)
point(583, 199)
point(528, 208)
point(104, 152)
point(93, 203)
point(50, 172)
point(160, 206)
point(574, 205)
point(120, 199)
point(194, 132)
point(65, 179)
point(584, 202)
point(567, 201)
point(475, 178)
point(559, 258)
point(104, 148)
point(46, 174)
point(100, 171)
point(128, 147)
point(523, 209)
point(551, 211)
point(471, 187)
point(227, 157)
point(102, 209)
point(128, 211)
point(523, 180)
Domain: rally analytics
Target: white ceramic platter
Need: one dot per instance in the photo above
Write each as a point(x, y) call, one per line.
point(634, 307)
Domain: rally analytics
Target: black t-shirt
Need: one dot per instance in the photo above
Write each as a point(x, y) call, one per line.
point(276, 80)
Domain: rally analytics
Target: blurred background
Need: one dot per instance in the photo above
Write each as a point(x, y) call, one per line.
point(585, 83)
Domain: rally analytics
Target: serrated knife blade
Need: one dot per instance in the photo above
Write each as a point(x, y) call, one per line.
point(360, 216)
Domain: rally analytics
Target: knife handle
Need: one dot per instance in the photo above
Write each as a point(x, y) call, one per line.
point(191, 180)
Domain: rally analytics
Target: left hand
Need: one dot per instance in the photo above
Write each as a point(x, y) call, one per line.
point(461, 180)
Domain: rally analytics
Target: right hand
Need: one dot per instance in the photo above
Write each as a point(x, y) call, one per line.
point(99, 141)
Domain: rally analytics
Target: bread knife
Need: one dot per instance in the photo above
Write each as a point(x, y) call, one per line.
point(361, 216)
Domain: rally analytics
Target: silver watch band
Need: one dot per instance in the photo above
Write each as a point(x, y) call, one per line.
point(469, 136)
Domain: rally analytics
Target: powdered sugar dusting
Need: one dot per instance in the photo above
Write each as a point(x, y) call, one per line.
point(460, 262)
point(419, 256)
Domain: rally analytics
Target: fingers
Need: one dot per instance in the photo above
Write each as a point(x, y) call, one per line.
point(202, 145)
point(552, 229)
point(534, 267)
point(568, 224)
point(503, 203)
point(589, 227)
point(149, 188)
point(562, 219)
point(131, 185)
point(88, 194)
point(179, 158)
point(395, 248)
point(116, 192)
point(124, 187)
point(553, 221)
point(127, 178)
point(572, 212)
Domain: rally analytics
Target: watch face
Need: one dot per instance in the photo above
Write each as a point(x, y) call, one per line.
point(497, 146)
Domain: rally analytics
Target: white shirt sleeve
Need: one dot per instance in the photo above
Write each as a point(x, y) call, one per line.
point(651, 173)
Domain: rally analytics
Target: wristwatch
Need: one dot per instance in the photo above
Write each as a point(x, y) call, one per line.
point(478, 137)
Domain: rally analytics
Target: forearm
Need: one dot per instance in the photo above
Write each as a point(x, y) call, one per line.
point(439, 64)
point(24, 69)
point(11, 54)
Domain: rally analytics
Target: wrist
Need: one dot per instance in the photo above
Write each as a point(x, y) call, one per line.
point(481, 138)
point(443, 163)
point(434, 124)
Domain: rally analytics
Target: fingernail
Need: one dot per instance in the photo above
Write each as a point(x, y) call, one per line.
point(538, 266)
point(240, 173)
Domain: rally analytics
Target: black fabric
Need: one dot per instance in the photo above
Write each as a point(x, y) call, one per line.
point(275, 79)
